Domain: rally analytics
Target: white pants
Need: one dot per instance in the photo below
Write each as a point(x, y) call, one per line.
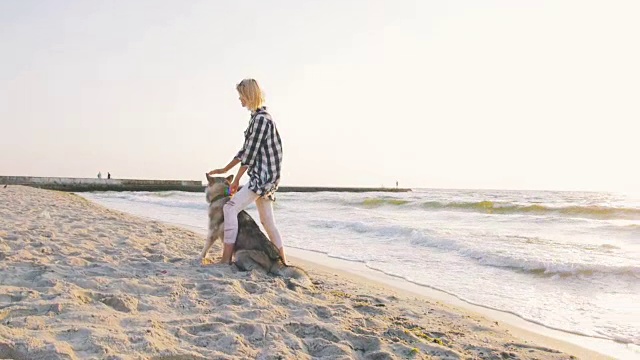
point(243, 198)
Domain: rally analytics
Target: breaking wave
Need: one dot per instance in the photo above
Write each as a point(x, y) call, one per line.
point(505, 208)
point(380, 202)
point(490, 207)
point(515, 262)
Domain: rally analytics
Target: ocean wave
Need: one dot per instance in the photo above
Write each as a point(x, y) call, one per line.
point(501, 208)
point(383, 231)
point(608, 247)
point(490, 256)
point(550, 268)
point(631, 231)
point(490, 207)
point(371, 203)
point(520, 262)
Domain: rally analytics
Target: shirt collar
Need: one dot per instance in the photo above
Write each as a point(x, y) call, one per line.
point(258, 110)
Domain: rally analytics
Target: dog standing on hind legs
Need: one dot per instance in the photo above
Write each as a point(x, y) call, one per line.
point(252, 248)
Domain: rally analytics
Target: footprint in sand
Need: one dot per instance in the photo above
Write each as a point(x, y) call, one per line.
point(323, 312)
point(367, 309)
point(83, 297)
point(532, 347)
point(252, 287)
point(312, 331)
point(156, 258)
point(206, 290)
point(210, 328)
point(364, 343)
point(12, 237)
point(321, 348)
point(251, 332)
point(379, 355)
point(122, 303)
point(33, 275)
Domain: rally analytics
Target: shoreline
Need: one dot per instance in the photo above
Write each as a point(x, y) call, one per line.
point(84, 281)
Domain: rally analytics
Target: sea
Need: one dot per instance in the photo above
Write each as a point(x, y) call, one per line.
point(569, 261)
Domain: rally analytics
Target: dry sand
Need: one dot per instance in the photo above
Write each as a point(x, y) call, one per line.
point(79, 281)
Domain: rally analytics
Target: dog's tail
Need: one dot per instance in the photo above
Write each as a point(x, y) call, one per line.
point(295, 276)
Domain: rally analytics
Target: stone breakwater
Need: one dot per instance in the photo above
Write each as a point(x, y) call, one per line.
point(95, 184)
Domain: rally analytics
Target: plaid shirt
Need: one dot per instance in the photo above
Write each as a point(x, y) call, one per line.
point(262, 154)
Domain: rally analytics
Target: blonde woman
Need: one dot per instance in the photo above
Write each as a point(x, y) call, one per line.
point(261, 156)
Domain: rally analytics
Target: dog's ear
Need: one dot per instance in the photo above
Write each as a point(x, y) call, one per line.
point(229, 179)
point(210, 179)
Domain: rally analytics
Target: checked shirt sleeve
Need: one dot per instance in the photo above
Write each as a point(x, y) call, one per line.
point(253, 139)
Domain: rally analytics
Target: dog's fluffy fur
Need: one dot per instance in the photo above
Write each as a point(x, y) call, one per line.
point(252, 249)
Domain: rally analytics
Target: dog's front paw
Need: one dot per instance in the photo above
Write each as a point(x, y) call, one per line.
point(206, 261)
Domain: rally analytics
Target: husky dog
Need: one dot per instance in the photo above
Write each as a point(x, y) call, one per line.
point(252, 248)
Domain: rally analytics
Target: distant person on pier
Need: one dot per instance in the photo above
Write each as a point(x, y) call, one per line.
point(108, 175)
point(261, 156)
point(99, 175)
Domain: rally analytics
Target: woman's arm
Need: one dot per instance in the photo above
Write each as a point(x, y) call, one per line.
point(231, 164)
point(250, 149)
point(236, 180)
point(225, 169)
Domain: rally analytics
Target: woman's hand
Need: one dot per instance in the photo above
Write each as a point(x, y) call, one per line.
point(217, 171)
point(234, 186)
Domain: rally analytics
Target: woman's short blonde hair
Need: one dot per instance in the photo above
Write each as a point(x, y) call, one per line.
point(251, 92)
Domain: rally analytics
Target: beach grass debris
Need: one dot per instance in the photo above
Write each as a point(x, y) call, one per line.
point(340, 294)
point(430, 339)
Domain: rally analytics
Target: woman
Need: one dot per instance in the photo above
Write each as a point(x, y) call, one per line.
point(261, 156)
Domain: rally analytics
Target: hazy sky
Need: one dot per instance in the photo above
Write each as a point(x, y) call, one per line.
point(456, 94)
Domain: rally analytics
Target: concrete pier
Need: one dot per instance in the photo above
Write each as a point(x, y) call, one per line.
point(95, 184)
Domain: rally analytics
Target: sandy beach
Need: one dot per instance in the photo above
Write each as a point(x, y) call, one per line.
point(80, 281)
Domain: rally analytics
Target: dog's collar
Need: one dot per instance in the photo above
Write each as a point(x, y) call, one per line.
point(227, 193)
point(217, 198)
